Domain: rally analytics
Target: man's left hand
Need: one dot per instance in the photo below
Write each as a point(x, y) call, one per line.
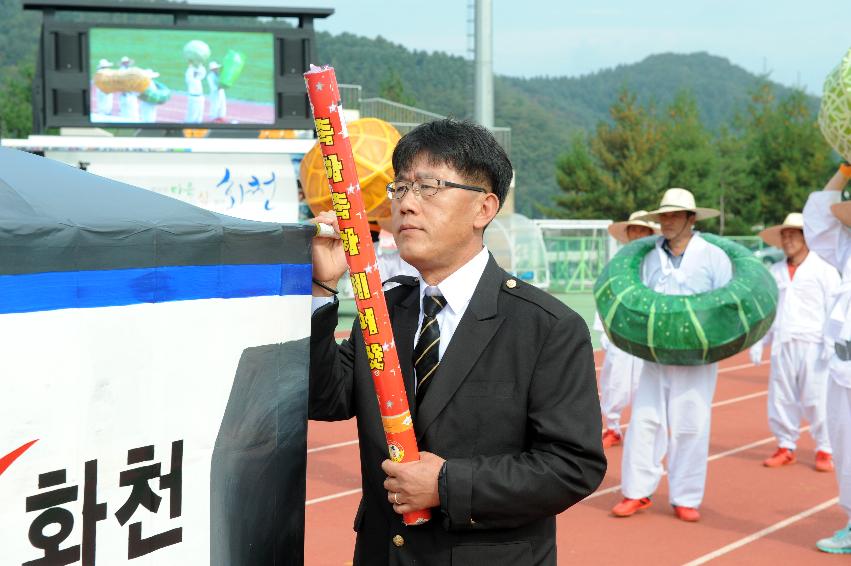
point(412, 486)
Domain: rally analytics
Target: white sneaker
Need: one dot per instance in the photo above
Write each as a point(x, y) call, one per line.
point(839, 543)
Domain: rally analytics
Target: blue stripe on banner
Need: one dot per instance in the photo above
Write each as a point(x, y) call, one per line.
point(90, 289)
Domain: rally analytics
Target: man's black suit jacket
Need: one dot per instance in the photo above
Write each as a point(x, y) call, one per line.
point(513, 408)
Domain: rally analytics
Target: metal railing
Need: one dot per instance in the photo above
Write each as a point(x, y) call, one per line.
point(350, 96)
point(395, 112)
point(575, 262)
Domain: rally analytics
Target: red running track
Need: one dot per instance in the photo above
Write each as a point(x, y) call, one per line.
point(750, 514)
point(174, 111)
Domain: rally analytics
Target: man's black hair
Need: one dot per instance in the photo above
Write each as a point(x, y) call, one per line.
point(468, 148)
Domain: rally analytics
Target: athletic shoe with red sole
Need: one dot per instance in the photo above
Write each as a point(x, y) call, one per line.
point(611, 438)
point(629, 507)
point(824, 461)
point(783, 457)
point(688, 514)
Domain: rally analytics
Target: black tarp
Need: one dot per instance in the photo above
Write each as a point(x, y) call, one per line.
point(54, 217)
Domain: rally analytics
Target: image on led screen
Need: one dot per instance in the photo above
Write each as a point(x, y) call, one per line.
point(158, 76)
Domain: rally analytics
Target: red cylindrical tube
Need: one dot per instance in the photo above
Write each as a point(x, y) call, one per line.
point(348, 205)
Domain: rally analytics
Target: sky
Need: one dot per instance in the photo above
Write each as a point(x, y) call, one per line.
point(797, 42)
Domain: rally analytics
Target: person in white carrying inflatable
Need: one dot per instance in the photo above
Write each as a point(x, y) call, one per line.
point(799, 354)
point(826, 228)
point(128, 102)
point(147, 109)
point(103, 100)
point(619, 376)
point(195, 73)
point(672, 406)
point(218, 98)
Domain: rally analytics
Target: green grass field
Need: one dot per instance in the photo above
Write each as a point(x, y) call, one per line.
point(162, 51)
point(582, 303)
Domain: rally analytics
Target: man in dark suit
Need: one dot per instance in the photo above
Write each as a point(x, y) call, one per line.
point(499, 375)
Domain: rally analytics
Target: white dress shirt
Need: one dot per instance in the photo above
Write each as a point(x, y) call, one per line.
point(458, 290)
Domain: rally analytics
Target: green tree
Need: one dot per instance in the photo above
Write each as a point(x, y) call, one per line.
point(789, 157)
point(691, 160)
point(392, 88)
point(738, 192)
point(16, 101)
point(617, 169)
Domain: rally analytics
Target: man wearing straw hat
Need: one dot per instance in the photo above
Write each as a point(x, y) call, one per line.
point(799, 355)
point(672, 406)
point(826, 227)
point(619, 376)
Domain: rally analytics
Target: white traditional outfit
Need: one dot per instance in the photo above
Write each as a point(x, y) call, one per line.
point(218, 97)
point(797, 383)
point(621, 370)
point(128, 102)
point(672, 407)
point(826, 232)
point(128, 106)
point(103, 100)
point(618, 380)
point(195, 93)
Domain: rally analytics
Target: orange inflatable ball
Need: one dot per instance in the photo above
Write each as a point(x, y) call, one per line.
point(373, 141)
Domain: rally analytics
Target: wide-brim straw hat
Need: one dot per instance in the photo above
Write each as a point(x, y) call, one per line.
point(842, 211)
point(680, 200)
point(618, 230)
point(104, 64)
point(771, 235)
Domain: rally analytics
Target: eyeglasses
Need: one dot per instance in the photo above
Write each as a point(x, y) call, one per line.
point(396, 190)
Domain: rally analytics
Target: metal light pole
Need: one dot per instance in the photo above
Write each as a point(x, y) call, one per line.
point(483, 106)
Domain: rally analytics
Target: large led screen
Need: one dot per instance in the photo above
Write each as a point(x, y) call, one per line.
point(156, 76)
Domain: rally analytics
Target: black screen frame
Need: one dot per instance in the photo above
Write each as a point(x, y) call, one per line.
point(61, 89)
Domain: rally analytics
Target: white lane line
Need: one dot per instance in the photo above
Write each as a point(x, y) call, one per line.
point(764, 532)
point(711, 458)
point(331, 446)
point(332, 496)
point(737, 399)
point(734, 368)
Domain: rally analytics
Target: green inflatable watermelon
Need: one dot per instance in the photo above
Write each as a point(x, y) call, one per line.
point(834, 117)
point(156, 93)
point(685, 330)
point(232, 66)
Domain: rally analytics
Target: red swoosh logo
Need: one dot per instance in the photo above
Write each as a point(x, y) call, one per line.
point(7, 460)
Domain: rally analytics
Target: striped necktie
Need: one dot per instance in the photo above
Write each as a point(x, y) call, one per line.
point(426, 352)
